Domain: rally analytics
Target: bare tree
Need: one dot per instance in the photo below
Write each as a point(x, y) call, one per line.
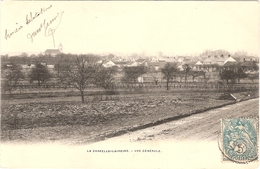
point(24, 54)
point(240, 74)
point(132, 73)
point(254, 76)
point(195, 74)
point(11, 77)
point(105, 77)
point(63, 63)
point(206, 78)
point(228, 75)
point(81, 72)
point(169, 71)
point(40, 73)
point(215, 52)
point(241, 53)
point(4, 60)
point(187, 69)
point(62, 77)
point(181, 75)
point(153, 72)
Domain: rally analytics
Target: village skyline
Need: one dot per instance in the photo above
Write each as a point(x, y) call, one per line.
point(159, 54)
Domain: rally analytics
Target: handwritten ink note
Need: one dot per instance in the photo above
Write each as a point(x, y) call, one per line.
point(47, 27)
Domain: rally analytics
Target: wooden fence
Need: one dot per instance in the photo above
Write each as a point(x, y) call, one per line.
point(144, 86)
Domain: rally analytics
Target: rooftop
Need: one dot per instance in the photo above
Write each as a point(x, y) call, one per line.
point(52, 51)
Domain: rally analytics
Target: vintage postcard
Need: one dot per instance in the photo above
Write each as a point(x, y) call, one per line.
point(129, 84)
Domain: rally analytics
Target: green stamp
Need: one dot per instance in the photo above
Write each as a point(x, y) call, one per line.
point(239, 139)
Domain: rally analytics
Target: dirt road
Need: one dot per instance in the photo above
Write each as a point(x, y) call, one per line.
point(191, 142)
point(204, 126)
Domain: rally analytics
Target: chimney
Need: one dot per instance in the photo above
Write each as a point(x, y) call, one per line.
point(244, 59)
point(222, 56)
point(228, 55)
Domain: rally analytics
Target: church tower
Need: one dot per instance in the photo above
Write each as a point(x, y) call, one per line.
point(60, 48)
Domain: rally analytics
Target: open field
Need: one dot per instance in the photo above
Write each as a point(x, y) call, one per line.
point(67, 120)
point(190, 142)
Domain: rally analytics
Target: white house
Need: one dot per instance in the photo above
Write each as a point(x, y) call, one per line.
point(198, 65)
point(140, 79)
point(180, 67)
point(131, 64)
point(100, 62)
point(230, 59)
point(50, 66)
point(28, 66)
point(108, 64)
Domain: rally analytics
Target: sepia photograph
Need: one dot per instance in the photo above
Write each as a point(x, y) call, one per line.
point(134, 84)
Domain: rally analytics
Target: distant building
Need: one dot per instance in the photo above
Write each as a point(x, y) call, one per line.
point(108, 64)
point(230, 59)
point(230, 65)
point(140, 79)
point(54, 52)
point(198, 65)
point(211, 60)
point(140, 60)
point(181, 59)
point(221, 60)
point(50, 66)
point(120, 64)
point(99, 62)
point(186, 60)
point(8, 64)
point(180, 67)
point(29, 66)
point(153, 59)
point(131, 64)
point(156, 65)
point(249, 65)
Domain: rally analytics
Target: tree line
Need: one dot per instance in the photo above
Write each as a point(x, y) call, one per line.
point(78, 71)
point(83, 70)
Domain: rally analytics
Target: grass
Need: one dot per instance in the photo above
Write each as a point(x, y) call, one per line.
point(120, 91)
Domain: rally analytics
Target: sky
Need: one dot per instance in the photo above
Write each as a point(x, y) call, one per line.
point(124, 28)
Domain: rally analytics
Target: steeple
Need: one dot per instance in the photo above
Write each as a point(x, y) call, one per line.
point(60, 48)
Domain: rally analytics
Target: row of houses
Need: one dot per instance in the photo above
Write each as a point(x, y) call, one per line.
point(209, 63)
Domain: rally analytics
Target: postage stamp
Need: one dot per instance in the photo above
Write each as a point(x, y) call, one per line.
point(239, 138)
